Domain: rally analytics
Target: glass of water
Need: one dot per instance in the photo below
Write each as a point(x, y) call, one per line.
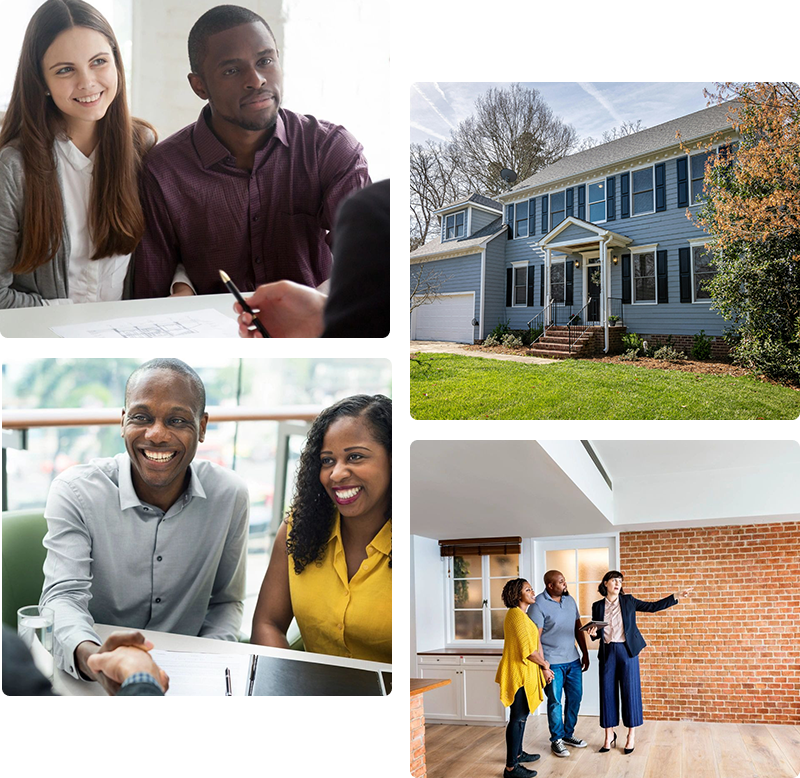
point(35, 628)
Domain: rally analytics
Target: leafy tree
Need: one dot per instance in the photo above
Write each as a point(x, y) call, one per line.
point(752, 211)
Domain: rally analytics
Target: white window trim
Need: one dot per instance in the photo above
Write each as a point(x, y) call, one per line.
point(644, 250)
point(445, 217)
point(714, 150)
point(514, 285)
point(550, 207)
point(559, 261)
point(605, 201)
point(527, 219)
point(653, 190)
point(694, 243)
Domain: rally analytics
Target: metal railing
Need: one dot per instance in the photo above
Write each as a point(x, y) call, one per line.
point(576, 327)
point(615, 307)
point(541, 317)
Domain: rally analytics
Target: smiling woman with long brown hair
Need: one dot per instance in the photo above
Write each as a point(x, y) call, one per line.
point(70, 153)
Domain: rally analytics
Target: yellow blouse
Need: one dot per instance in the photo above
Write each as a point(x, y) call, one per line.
point(346, 618)
point(515, 669)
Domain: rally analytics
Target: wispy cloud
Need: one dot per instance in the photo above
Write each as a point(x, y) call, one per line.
point(427, 131)
point(433, 105)
point(592, 91)
point(438, 89)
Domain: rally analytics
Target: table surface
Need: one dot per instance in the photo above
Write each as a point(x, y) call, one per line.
point(422, 685)
point(36, 322)
point(65, 684)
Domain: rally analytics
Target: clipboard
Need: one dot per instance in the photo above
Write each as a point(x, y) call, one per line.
point(597, 624)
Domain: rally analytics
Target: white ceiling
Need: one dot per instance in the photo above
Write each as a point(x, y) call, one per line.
point(548, 489)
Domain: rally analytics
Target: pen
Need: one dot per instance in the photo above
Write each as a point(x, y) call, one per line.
point(226, 279)
point(228, 689)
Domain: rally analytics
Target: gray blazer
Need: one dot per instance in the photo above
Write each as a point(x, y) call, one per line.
point(49, 281)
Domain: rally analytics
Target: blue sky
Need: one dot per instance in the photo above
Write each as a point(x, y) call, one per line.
point(591, 108)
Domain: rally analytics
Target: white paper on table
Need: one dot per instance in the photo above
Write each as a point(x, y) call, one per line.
point(192, 674)
point(207, 323)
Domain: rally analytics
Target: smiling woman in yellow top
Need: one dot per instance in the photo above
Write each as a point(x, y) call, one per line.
point(331, 565)
point(522, 673)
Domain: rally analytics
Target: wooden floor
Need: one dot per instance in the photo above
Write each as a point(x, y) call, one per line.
point(664, 749)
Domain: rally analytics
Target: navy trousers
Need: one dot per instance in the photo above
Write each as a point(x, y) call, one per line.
point(619, 678)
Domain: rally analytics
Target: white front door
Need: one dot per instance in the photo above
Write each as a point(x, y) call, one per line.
point(583, 562)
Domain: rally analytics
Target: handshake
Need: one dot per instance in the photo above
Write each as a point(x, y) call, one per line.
point(122, 655)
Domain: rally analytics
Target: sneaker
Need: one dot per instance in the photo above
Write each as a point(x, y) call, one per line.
point(575, 742)
point(519, 771)
point(557, 747)
point(526, 757)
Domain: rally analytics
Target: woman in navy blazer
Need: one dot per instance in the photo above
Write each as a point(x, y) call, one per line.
point(620, 644)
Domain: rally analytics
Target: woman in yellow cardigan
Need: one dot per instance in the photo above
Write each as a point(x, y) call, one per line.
point(331, 565)
point(522, 673)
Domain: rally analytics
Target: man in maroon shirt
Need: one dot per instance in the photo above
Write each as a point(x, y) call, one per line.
point(250, 188)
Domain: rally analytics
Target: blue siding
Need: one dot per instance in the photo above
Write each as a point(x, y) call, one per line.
point(574, 233)
point(481, 219)
point(494, 310)
point(463, 274)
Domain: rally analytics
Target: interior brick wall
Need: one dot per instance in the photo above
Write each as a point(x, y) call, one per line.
point(418, 767)
point(732, 651)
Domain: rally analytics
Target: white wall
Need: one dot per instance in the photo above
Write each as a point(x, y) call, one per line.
point(427, 597)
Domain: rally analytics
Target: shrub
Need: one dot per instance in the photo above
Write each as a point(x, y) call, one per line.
point(612, 320)
point(630, 355)
point(511, 341)
point(532, 334)
point(502, 328)
point(491, 341)
point(770, 356)
point(632, 342)
point(668, 354)
point(701, 348)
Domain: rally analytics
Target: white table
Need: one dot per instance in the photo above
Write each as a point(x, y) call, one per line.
point(36, 322)
point(65, 684)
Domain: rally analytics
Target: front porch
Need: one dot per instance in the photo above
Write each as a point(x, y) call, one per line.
point(574, 342)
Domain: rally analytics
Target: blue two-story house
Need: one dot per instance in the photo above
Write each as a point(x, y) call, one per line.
point(607, 232)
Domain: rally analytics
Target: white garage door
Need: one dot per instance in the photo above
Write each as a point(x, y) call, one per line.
point(449, 318)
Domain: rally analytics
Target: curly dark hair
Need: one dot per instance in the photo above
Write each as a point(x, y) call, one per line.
point(312, 511)
point(512, 592)
point(607, 577)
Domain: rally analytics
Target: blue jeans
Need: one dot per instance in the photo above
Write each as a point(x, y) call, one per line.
point(567, 680)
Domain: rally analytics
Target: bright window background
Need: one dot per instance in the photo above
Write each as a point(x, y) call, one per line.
point(250, 448)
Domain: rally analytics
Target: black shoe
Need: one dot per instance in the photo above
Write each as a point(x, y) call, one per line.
point(526, 757)
point(518, 771)
point(575, 742)
point(628, 750)
point(558, 748)
point(604, 750)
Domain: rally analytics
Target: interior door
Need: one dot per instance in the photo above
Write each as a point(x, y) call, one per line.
point(583, 562)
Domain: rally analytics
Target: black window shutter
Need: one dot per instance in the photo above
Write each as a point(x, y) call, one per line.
point(510, 218)
point(661, 187)
point(532, 216)
point(570, 274)
point(683, 182)
point(624, 198)
point(626, 279)
point(544, 214)
point(570, 198)
point(661, 272)
point(531, 283)
point(509, 285)
point(611, 206)
point(541, 289)
point(684, 266)
point(582, 202)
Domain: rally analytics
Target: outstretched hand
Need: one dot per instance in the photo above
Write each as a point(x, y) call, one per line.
point(87, 649)
point(686, 592)
point(286, 309)
point(123, 662)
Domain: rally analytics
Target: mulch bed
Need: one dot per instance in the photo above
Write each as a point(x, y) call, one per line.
point(708, 367)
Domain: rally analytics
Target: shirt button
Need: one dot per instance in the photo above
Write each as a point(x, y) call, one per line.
point(258, 260)
point(255, 218)
point(158, 599)
point(147, 509)
point(158, 558)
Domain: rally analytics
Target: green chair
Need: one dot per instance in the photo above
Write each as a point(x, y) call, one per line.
point(23, 558)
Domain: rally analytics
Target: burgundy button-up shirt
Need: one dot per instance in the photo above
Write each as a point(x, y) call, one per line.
point(272, 223)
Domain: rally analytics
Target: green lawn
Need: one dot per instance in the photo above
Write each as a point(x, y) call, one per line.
point(447, 386)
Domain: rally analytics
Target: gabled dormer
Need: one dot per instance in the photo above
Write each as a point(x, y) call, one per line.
point(465, 217)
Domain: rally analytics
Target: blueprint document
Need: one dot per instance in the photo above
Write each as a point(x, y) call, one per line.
point(192, 324)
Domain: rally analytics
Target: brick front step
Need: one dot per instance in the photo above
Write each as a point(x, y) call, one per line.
point(549, 354)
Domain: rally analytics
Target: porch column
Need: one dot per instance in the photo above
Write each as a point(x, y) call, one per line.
point(605, 288)
point(547, 286)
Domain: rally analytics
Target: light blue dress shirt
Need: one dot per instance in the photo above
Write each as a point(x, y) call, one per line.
point(114, 559)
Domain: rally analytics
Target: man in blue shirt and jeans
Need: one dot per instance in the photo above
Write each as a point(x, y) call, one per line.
point(556, 615)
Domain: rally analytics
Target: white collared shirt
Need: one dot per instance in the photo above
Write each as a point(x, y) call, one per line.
point(89, 280)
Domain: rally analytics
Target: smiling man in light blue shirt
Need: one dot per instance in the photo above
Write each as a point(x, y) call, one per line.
point(556, 615)
point(149, 539)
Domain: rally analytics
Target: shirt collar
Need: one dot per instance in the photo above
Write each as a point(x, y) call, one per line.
point(382, 542)
point(127, 492)
point(211, 150)
point(73, 156)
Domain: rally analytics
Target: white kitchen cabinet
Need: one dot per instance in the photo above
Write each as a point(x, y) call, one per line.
point(471, 697)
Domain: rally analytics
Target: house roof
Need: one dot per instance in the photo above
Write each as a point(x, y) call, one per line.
point(476, 198)
point(460, 245)
point(662, 136)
